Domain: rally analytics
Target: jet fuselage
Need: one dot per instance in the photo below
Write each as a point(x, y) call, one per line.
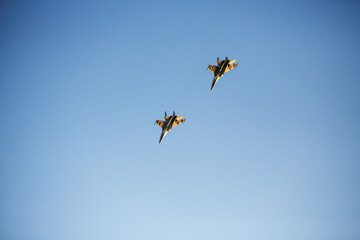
point(167, 126)
point(223, 67)
point(170, 123)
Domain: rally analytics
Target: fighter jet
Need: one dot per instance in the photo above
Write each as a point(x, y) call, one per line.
point(221, 68)
point(168, 124)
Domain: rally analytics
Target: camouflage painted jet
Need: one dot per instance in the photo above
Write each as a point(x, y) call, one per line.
point(221, 68)
point(168, 124)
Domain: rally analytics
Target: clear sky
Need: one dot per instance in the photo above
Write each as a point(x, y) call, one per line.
point(273, 152)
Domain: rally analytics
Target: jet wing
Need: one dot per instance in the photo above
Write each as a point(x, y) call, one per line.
point(230, 66)
point(177, 122)
point(160, 123)
point(212, 68)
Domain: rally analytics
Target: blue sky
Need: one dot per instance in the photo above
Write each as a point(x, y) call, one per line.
point(271, 153)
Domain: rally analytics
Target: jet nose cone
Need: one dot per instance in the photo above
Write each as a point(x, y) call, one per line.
point(213, 83)
point(162, 136)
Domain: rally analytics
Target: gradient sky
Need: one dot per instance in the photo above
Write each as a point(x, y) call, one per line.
point(273, 152)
